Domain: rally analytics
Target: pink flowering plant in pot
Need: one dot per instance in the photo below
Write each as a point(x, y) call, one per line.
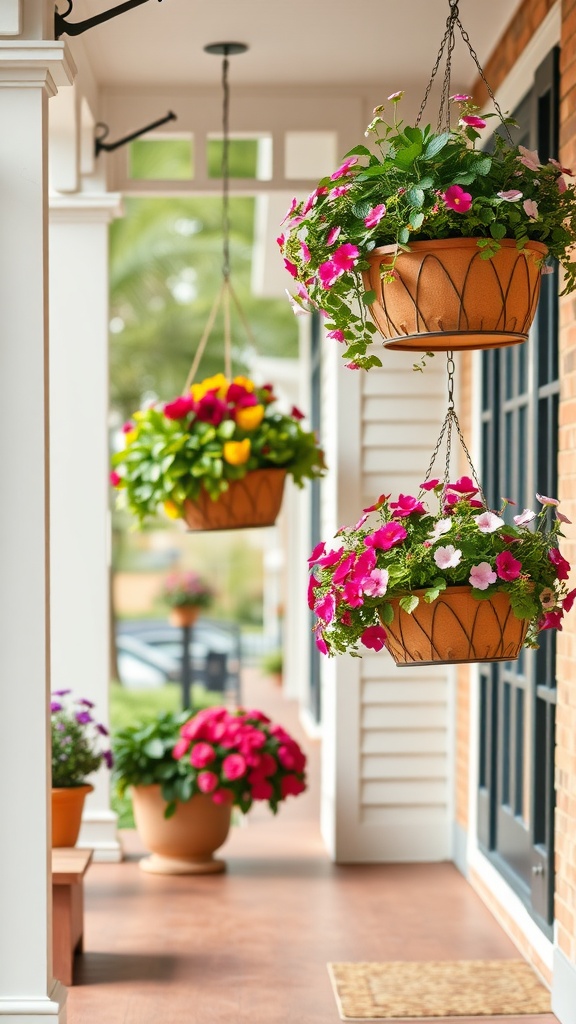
point(233, 757)
point(416, 185)
point(186, 590)
point(400, 550)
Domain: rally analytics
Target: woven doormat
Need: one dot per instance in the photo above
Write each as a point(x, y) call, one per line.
point(460, 988)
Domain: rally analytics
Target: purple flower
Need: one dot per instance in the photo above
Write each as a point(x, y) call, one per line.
point(85, 703)
point(108, 758)
point(102, 729)
point(83, 717)
point(60, 693)
point(55, 707)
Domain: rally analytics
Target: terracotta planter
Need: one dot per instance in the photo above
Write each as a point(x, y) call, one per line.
point(185, 843)
point(184, 615)
point(455, 628)
point(67, 807)
point(253, 501)
point(446, 297)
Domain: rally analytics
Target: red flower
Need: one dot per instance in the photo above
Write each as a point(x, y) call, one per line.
point(374, 637)
point(233, 767)
point(202, 755)
point(179, 408)
point(291, 785)
point(261, 789)
point(562, 566)
point(296, 414)
point(552, 620)
point(568, 601)
point(211, 409)
point(115, 478)
point(508, 567)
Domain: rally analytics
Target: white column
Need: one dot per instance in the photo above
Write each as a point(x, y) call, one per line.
point(28, 993)
point(79, 492)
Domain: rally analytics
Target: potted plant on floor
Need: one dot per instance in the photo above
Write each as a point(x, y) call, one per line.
point(186, 594)
point(443, 242)
point(76, 754)
point(186, 775)
point(216, 457)
point(462, 585)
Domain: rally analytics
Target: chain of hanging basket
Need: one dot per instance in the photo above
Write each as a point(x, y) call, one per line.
point(451, 425)
point(226, 294)
point(448, 43)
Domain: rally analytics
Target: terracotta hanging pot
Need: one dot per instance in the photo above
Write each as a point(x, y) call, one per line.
point(184, 615)
point(67, 807)
point(185, 843)
point(446, 297)
point(455, 628)
point(253, 501)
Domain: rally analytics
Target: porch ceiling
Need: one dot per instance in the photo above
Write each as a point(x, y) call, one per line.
point(296, 42)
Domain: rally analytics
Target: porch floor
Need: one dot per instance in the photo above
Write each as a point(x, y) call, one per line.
point(251, 946)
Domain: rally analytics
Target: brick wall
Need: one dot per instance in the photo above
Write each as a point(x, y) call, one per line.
point(566, 708)
point(522, 27)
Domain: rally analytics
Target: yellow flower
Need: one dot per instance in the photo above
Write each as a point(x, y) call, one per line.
point(250, 417)
point(171, 510)
point(217, 383)
point(236, 453)
point(129, 437)
point(244, 382)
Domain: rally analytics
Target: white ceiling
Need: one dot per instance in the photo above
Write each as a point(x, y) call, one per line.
point(393, 42)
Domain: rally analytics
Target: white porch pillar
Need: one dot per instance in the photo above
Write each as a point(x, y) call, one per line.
point(79, 493)
point(28, 72)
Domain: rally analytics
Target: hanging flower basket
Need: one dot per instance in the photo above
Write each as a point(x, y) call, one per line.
point(253, 501)
point(216, 457)
point(454, 629)
point(444, 296)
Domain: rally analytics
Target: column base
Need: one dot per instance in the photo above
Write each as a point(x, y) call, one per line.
point(51, 1010)
point(564, 989)
point(99, 833)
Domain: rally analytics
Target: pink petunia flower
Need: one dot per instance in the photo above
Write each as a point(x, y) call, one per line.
point(429, 485)
point(365, 563)
point(312, 588)
point(511, 195)
point(290, 211)
point(325, 608)
point(352, 594)
point(406, 505)
point(374, 637)
point(530, 209)
point(339, 190)
point(233, 767)
point(344, 168)
point(336, 335)
point(344, 568)
point(460, 97)
point(331, 558)
point(329, 273)
point(291, 268)
point(561, 565)
point(346, 256)
point(565, 170)
point(115, 478)
point(472, 121)
point(317, 553)
point(306, 255)
point(457, 199)
point(464, 485)
point(376, 584)
point(508, 567)
point(562, 186)
point(569, 601)
point(530, 158)
point(448, 557)
point(525, 517)
point(352, 366)
point(322, 647)
point(482, 576)
point(562, 518)
point(375, 216)
point(395, 96)
point(547, 501)
point(489, 522)
point(202, 754)
point(388, 536)
point(333, 235)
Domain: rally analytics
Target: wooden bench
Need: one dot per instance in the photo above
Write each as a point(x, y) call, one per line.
point(68, 869)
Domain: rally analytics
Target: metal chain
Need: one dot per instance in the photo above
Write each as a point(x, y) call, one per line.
point(451, 422)
point(225, 169)
point(448, 42)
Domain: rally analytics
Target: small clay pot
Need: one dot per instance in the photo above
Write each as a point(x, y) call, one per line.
point(185, 843)
point(67, 807)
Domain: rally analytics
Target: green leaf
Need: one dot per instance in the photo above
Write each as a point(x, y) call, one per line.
point(170, 809)
point(426, 182)
point(435, 145)
point(368, 298)
point(403, 236)
point(154, 748)
point(358, 151)
point(406, 157)
point(417, 220)
point(497, 230)
point(464, 179)
point(409, 603)
point(481, 595)
point(386, 614)
point(414, 135)
point(415, 197)
point(483, 166)
point(361, 210)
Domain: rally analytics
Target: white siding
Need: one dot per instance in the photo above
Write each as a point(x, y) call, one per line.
point(387, 763)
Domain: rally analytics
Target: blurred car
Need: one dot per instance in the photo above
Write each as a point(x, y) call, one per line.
point(214, 652)
point(141, 666)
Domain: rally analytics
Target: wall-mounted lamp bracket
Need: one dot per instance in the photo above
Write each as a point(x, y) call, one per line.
point(100, 145)
point(62, 27)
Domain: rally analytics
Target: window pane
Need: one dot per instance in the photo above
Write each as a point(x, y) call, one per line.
point(161, 160)
point(245, 158)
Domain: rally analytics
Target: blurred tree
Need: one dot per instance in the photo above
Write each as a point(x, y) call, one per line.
point(166, 269)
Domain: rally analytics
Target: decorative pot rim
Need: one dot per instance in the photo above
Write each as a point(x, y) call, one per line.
point(465, 242)
point(84, 786)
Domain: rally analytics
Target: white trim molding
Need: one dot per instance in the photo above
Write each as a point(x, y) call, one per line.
point(564, 989)
point(47, 1010)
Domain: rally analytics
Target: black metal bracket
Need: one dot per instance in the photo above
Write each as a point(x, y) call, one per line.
point(100, 145)
point(61, 26)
